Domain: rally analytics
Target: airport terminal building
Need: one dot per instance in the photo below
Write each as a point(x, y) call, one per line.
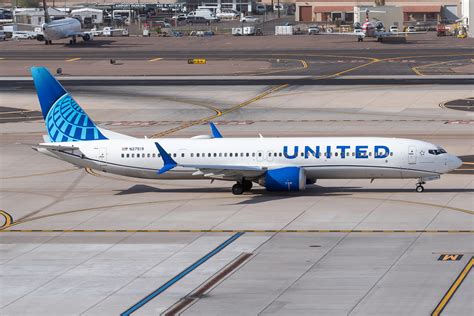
point(413, 10)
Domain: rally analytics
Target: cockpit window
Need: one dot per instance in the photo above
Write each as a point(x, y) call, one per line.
point(437, 152)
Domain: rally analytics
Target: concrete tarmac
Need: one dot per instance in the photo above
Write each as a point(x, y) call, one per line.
point(86, 242)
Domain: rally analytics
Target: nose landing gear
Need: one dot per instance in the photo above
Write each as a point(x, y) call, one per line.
point(419, 187)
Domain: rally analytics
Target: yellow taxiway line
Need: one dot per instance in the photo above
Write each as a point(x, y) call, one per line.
point(73, 59)
point(8, 219)
point(156, 59)
point(449, 294)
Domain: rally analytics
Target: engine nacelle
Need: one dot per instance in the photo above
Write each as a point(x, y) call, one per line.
point(284, 179)
point(40, 37)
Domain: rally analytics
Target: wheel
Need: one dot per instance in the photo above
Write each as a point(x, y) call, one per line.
point(420, 188)
point(237, 189)
point(247, 185)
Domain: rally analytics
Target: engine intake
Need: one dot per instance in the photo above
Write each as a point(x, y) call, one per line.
point(284, 179)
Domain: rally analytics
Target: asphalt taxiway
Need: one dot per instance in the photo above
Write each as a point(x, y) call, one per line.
point(77, 241)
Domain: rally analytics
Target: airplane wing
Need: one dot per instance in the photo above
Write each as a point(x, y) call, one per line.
point(358, 34)
point(227, 172)
point(56, 147)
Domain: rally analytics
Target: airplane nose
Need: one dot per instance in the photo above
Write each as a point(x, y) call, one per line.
point(454, 162)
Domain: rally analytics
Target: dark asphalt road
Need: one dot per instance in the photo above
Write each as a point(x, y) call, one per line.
point(318, 62)
point(7, 85)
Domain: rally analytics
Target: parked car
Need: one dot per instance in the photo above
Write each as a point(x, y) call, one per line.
point(228, 14)
point(2, 36)
point(197, 20)
point(411, 28)
point(394, 29)
point(23, 35)
point(249, 19)
point(313, 30)
point(162, 24)
point(179, 17)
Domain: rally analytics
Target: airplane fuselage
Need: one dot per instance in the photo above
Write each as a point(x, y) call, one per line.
point(320, 158)
point(60, 29)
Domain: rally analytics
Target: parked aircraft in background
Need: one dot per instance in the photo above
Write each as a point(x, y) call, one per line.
point(278, 164)
point(59, 29)
point(374, 29)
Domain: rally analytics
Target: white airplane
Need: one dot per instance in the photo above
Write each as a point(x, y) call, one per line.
point(278, 164)
point(373, 29)
point(59, 29)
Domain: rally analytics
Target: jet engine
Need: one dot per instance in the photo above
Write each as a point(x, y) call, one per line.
point(379, 26)
point(284, 179)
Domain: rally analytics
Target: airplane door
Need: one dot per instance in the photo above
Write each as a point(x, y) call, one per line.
point(102, 156)
point(411, 154)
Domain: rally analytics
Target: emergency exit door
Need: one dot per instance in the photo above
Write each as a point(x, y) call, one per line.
point(412, 154)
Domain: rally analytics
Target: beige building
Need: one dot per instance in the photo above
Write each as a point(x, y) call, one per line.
point(343, 10)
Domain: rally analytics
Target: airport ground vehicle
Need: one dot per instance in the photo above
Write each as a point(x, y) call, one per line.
point(313, 29)
point(3, 37)
point(197, 20)
point(179, 17)
point(204, 13)
point(228, 14)
point(278, 164)
point(411, 29)
point(393, 28)
point(17, 35)
point(260, 8)
point(249, 19)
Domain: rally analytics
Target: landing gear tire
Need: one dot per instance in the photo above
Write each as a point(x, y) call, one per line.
point(237, 189)
point(420, 188)
point(247, 185)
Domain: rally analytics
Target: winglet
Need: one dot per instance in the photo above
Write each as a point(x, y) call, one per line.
point(168, 162)
point(214, 131)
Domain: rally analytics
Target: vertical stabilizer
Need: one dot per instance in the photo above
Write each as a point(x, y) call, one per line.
point(65, 120)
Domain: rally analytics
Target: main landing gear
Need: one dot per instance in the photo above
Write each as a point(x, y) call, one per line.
point(241, 187)
point(419, 186)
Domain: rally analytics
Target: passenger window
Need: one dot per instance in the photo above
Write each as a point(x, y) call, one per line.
point(197, 155)
point(220, 154)
point(215, 154)
point(174, 155)
point(370, 154)
point(336, 154)
point(182, 155)
point(260, 154)
point(133, 155)
point(230, 155)
point(225, 154)
point(149, 155)
point(192, 155)
point(123, 155)
point(143, 155)
point(159, 155)
point(253, 154)
point(128, 155)
point(280, 154)
point(209, 154)
point(391, 154)
point(247, 155)
point(241, 154)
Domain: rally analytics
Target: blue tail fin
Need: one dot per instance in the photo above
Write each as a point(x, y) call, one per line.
point(64, 118)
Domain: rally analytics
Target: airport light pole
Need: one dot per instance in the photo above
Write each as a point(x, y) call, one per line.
point(278, 4)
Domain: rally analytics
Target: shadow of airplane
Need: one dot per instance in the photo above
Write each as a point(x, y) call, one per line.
point(260, 195)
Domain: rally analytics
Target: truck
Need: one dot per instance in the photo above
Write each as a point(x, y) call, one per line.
point(207, 14)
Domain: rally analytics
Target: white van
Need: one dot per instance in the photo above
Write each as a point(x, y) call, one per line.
point(208, 15)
